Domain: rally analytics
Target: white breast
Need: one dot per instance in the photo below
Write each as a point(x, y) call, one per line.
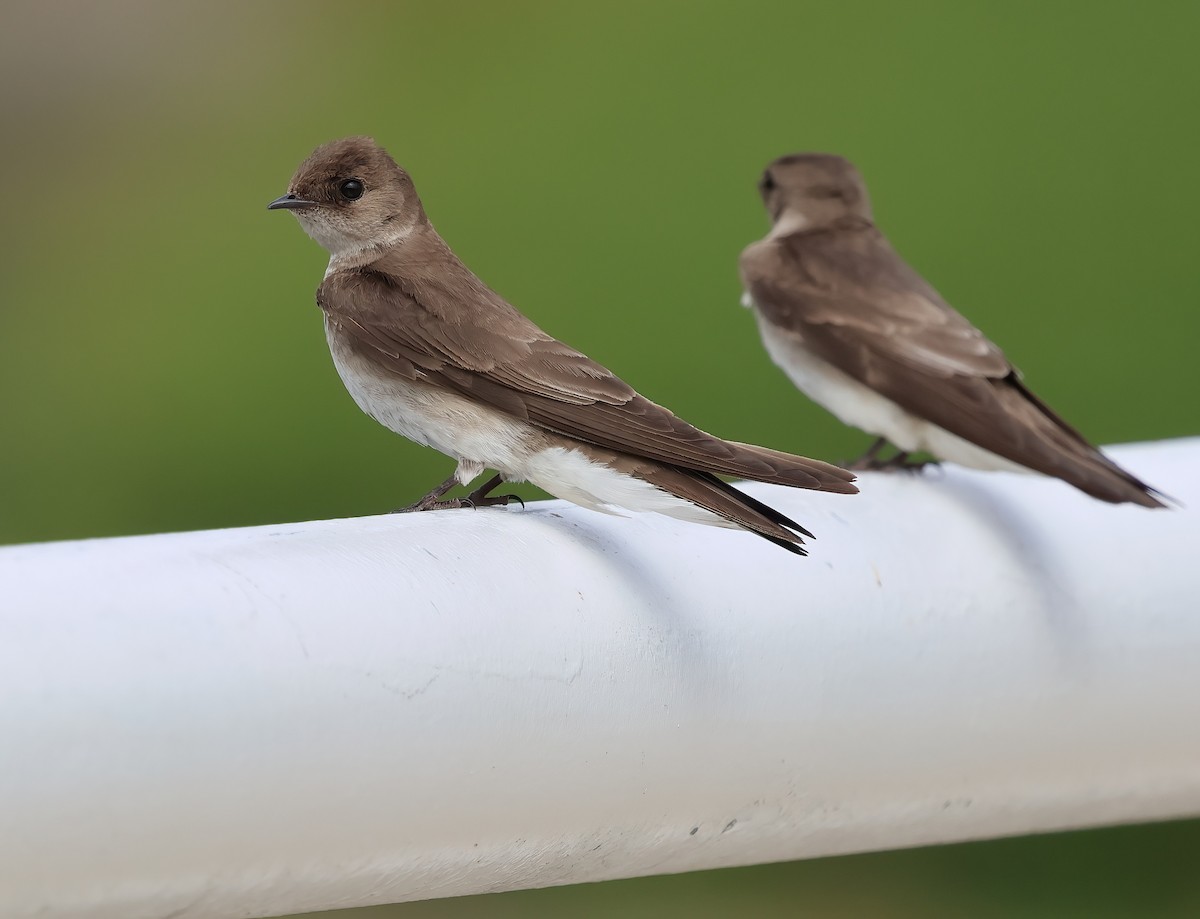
point(476, 436)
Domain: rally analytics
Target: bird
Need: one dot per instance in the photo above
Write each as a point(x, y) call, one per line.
point(863, 335)
point(429, 351)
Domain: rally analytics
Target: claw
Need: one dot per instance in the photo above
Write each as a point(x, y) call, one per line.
point(475, 500)
point(493, 500)
point(447, 505)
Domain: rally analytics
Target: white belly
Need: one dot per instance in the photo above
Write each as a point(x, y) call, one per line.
point(860, 406)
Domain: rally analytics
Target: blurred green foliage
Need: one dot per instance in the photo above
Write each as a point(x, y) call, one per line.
point(162, 365)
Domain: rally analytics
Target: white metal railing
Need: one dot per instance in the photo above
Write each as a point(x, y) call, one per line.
point(338, 713)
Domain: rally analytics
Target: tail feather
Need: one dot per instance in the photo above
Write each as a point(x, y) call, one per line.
point(1069, 456)
point(707, 491)
point(797, 471)
point(754, 504)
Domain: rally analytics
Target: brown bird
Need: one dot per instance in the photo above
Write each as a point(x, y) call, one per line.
point(429, 351)
point(862, 334)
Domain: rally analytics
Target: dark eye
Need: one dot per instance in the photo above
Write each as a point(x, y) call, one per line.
point(767, 183)
point(351, 189)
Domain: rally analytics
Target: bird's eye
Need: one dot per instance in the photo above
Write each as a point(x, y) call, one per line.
point(767, 183)
point(351, 189)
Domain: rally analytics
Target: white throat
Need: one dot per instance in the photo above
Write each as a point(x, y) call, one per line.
point(346, 251)
point(351, 253)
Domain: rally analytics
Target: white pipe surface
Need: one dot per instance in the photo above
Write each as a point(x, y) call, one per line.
point(315, 715)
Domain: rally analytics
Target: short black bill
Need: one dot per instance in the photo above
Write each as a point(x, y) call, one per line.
point(290, 203)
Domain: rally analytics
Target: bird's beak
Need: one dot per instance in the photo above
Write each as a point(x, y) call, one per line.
point(290, 203)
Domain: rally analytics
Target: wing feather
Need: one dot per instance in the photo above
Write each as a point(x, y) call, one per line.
point(511, 364)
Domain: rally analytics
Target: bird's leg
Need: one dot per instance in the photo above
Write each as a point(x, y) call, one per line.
point(870, 459)
point(432, 501)
point(901, 461)
point(480, 498)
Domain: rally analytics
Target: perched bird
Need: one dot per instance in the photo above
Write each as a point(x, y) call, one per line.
point(863, 335)
point(429, 351)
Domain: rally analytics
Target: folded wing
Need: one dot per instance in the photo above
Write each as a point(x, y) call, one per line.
point(512, 365)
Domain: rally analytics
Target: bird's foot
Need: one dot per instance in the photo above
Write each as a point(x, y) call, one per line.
point(902, 460)
point(435, 505)
point(869, 460)
point(492, 500)
point(480, 497)
point(865, 464)
point(433, 501)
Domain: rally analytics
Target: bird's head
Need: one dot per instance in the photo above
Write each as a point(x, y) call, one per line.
point(350, 195)
point(812, 190)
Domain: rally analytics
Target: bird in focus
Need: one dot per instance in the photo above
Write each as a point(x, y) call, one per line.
point(428, 350)
point(863, 335)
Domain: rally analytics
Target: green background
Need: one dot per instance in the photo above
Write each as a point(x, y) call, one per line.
point(162, 365)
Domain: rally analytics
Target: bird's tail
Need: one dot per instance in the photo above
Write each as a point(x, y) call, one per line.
point(781, 468)
point(737, 508)
point(1071, 458)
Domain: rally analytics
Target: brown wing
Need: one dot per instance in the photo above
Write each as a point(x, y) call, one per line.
point(854, 302)
point(492, 353)
point(851, 285)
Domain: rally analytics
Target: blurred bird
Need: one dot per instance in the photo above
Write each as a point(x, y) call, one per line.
point(862, 334)
point(429, 351)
